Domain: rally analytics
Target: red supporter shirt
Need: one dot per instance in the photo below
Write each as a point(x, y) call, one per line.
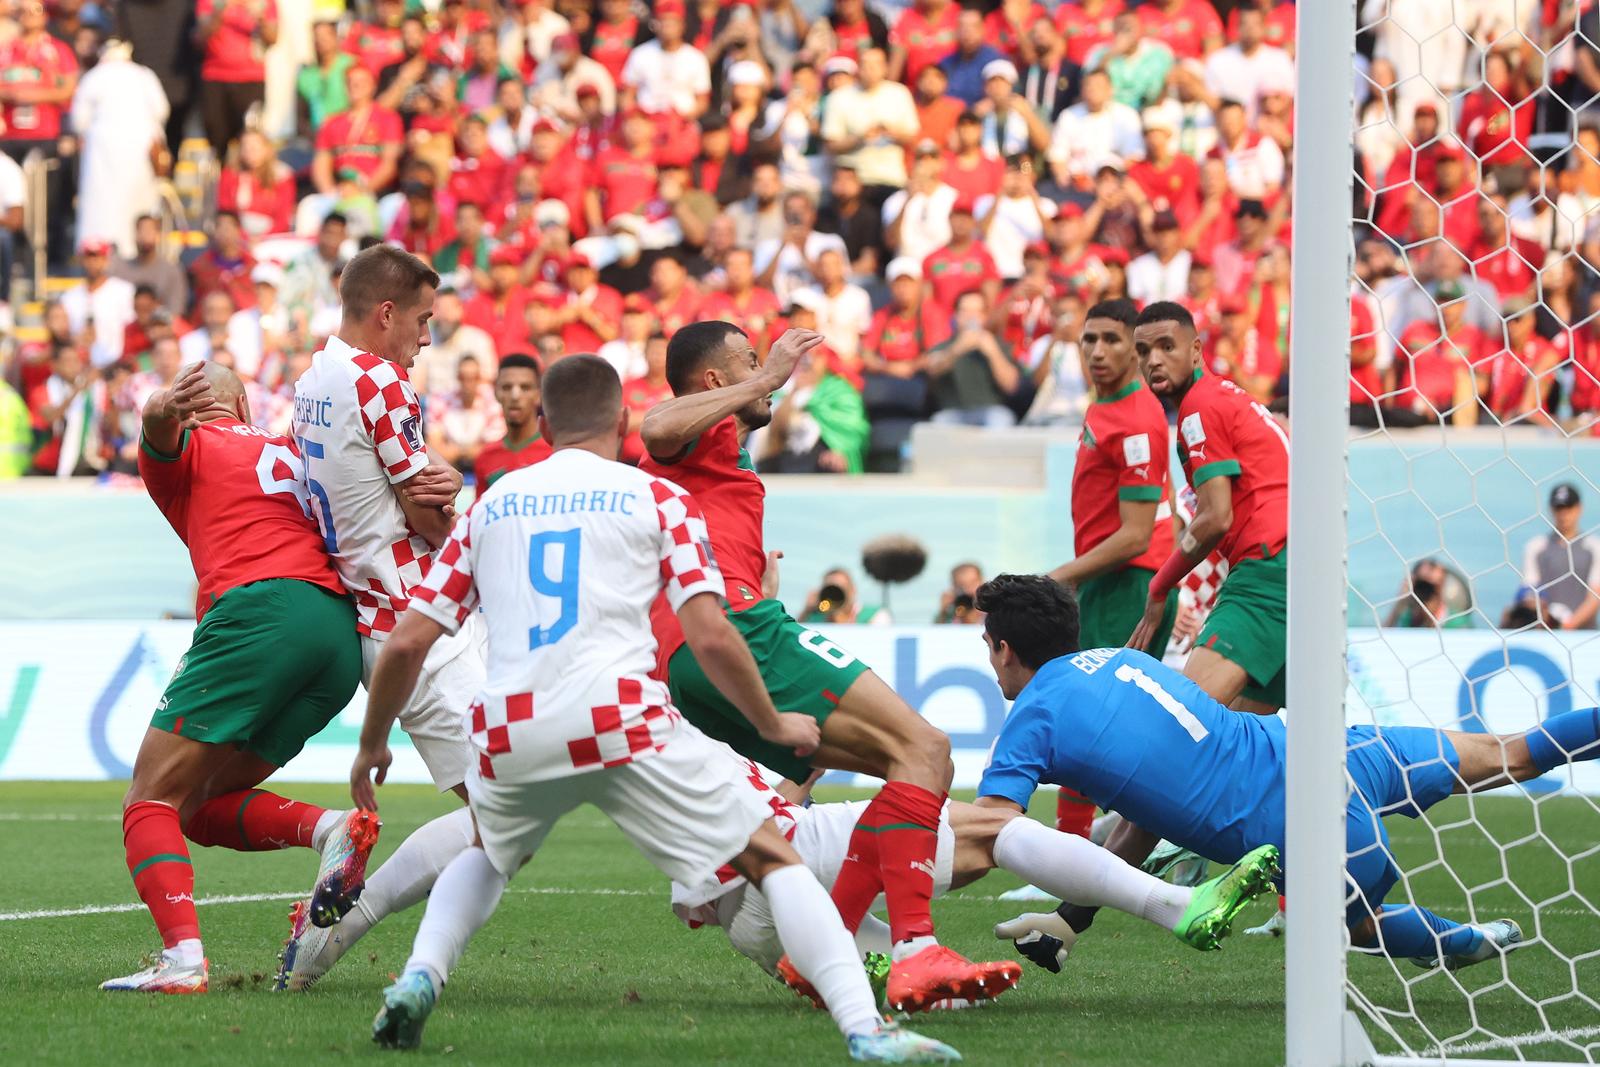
point(34, 65)
point(1511, 268)
point(233, 53)
point(952, 273)
point(626, 182)
point(677, 313)
point(1085, 32)
point(1366, 381)
point(1280, 26)
point(504, 320)
point(1225, 433)
point(483, 180)
point(719, 475)
point(235, 495)
point(245, 195)
point(1495, 131)
point(1585, 348)
point(1513, 370)
point(640, 395)
point(612, 43)
point(579, 336)
point(1431, 363)
point(210, 274)
point(757, 315)
point(971, 182)
point(1174, 187)
point(1122, 455)
point(1185, 30)
point(897, 336)
point(1027, 316)
point(926, 40)
point(359, 142)
point(851, 39)
point(502, 457)
point(374, 46)
point(998, 30)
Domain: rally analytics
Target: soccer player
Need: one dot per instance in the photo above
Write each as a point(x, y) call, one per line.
point(1236, 457)
point(274, 658)
point(384, 508)
point(720, 392)
point(516, 387)
point(1147, 742)
point(566, 558)
point(1121, 522)
point(972, 842)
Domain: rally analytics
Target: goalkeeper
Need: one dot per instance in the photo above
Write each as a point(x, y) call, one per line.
point(1138, 738)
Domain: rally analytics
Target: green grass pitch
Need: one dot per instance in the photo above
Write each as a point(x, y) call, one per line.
point(585, 964)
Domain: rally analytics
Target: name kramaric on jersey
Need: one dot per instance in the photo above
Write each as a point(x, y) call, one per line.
point(502, 505)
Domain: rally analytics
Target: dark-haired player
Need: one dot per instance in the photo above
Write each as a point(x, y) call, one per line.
point(1121, 523)
point(517, 388)
point(273, 660)
point(1141, 739)
point(720, 392)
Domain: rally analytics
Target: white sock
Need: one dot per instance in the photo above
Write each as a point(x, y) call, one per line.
point(873, 935)
point(406, 876)
point(904, 950)
point(820, 948)
point(1071, 868)
point(327, 823)
point(186, 953)
point(462, 900)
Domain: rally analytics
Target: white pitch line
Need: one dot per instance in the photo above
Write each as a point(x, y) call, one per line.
point(13, 816)
point(257, 898)
point(1532, 1037)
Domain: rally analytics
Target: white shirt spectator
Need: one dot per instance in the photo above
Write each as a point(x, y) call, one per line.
point(1424, 41)
point(841, 318)
point(852, 111)
point(1085, 139)
point(926, 227)
point(1255, 168)
point(667, 81)
point(626, 358)
point(1016, 225)
point(436, 364)
point(110, 310)
point(1149, 279)
point(1005, 138)
point(798, 169)
point(557, 93)
point(792, 272)
point(1232, 75)
point(13, 188)
point(468, 426)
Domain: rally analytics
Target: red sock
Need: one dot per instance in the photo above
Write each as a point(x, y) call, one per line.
point(1283, 904)
point(908, 835)
point(158, 859)
point(859, 881)
point(253, 820)
point(1074, 812)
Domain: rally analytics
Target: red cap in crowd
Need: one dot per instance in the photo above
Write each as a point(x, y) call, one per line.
point(1070, 210)
point(574, 261)
point(587, 89)
point(637, 303)
point(94, 246)
point(508, 255)
point(670, 9)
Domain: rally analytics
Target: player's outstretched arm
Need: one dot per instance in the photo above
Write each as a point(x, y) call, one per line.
point(725, 658)
point(170, 411)
point(1212, 518)
point(672, 426)
point(393, 679)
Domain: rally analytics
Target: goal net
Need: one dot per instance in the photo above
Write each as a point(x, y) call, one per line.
point(1460, 488)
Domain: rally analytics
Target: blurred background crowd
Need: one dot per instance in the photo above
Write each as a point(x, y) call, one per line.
point(941, 189)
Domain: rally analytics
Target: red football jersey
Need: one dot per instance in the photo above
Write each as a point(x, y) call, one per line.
point(1085, 32)
point(718, 474)
point(951, 273)
point(235, 494)
point(926, 40)
point(34, 65)
point(1184, 30)
point(502, 457)
point(1122, 455)
point(1224, 432)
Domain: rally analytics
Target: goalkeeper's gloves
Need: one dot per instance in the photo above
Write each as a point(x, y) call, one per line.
point(1043, 937)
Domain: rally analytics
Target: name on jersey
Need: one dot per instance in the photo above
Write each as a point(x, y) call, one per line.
point(1092, 659)
point(529, 505)
point(310, 411)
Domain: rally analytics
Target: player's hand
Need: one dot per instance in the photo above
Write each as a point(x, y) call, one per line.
point(363, 781)
point(769, 580)
point(786, 354)
point(1043, 937)
point(799, 732)
point(1146, 630)
point(191, 394)
point(434, 486)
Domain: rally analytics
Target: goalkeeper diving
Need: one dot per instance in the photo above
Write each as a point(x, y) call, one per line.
point(1140, 739)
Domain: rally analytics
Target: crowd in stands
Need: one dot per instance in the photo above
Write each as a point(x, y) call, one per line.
point(941, 189)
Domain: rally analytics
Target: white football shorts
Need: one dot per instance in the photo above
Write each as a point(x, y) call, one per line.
point(436, 717)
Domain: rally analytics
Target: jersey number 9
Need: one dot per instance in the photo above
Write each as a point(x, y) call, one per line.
point(563, 587)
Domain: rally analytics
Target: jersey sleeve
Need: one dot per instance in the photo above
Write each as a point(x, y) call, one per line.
point(392, 418)
point(449, 594)
point(1020, 756)
point(1142, 475)
point(165, 476)
point(687, 567)
point(1208, 440)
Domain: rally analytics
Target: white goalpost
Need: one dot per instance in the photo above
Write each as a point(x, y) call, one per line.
point(1469, 500)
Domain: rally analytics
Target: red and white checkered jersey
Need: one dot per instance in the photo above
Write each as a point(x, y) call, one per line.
point(693, 904)
point(565, 558)
point(359, 426)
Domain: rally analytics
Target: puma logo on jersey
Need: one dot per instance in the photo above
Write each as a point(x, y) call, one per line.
point(1197, 455)
point(1141, 472)
point(925, 866)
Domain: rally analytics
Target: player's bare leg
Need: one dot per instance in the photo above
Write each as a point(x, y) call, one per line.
point(185, 787)
point(874, 731)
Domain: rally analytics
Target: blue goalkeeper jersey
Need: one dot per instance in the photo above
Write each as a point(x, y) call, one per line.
point(1140, 739)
